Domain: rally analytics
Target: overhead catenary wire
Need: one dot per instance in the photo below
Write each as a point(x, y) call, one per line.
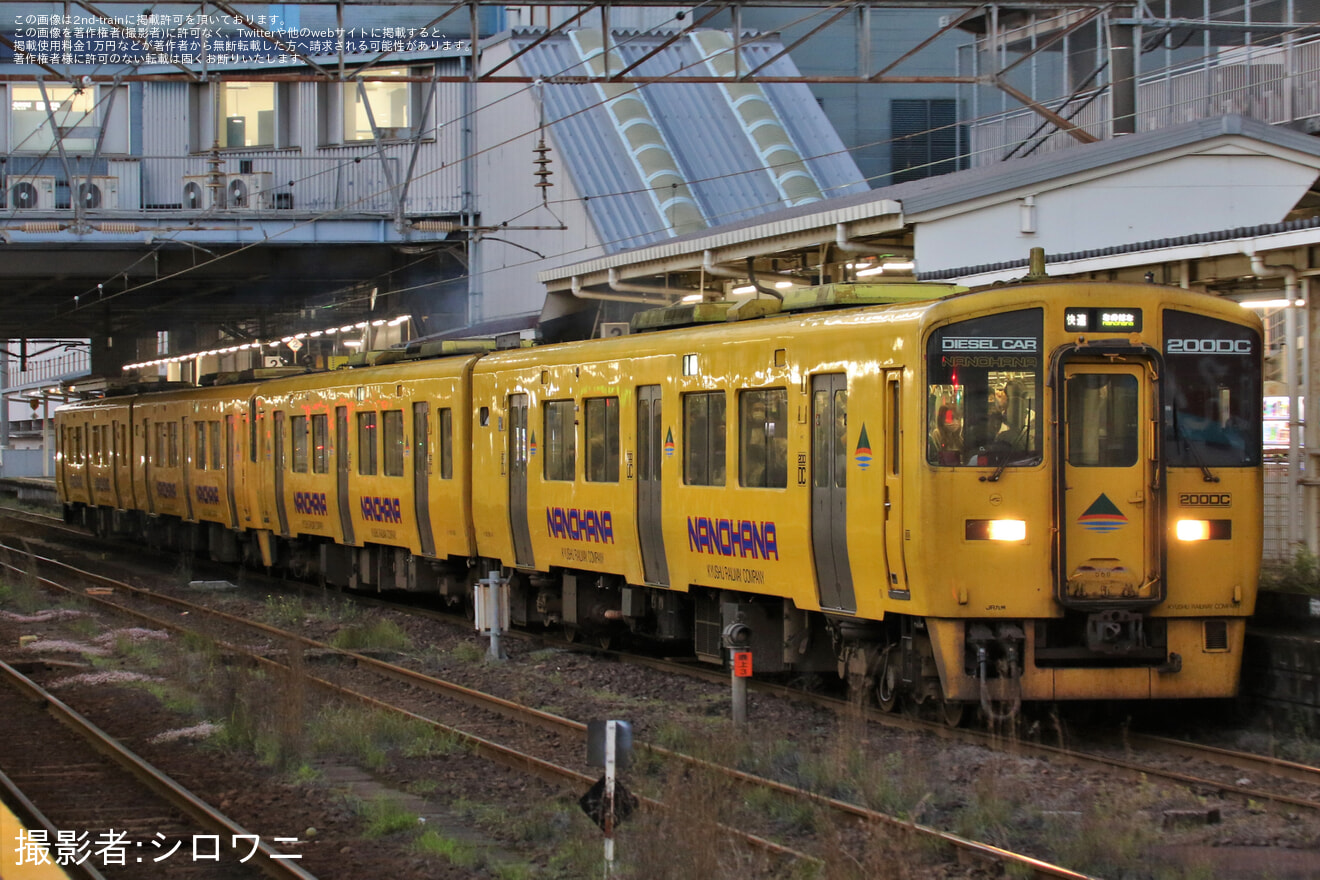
point(331, 213)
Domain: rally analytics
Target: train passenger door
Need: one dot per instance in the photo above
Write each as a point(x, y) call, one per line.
point(650, 457)
point(116, 461)
point(341, 467)
point(829, 491)
point(185, 466)
point(150, 449)
point(231, 462)
point(279, 465)
point(1111, 550)
point(895, 560)
point(522, 535)
point(421, 476)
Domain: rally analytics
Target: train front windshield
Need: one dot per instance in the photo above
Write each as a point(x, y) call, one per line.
point(983, 393)
point(1212, 415)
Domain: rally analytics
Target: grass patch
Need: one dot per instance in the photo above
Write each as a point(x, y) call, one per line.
point(468, 652)
point(456, 852)
point(284, 611)
point(378, 635)
point(1301, 575)
point(384, 816)
point(369, 737)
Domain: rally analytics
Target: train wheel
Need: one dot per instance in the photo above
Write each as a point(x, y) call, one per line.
point(953, 713)
point(886, 685)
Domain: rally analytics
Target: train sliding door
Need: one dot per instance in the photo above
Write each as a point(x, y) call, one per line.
point(279, 464)
point(895, 558)
point(650, 456)
point(1111, 551)
point(829, 492)
point(421, 476)
point(231, 468)
point(341, 469)
point(522, 535)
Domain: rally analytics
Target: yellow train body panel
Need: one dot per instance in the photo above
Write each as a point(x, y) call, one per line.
point(344, 454)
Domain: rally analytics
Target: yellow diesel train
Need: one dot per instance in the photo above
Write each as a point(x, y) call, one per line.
point(1040, 491)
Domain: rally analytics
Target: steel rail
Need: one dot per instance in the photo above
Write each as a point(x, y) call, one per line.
point(1239, 760)
point(1297, 772)
point(520, 761)
point(503, 755)
point(165, 787)
point(32, 816)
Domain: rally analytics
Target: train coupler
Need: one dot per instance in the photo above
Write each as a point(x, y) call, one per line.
point(1115, 632)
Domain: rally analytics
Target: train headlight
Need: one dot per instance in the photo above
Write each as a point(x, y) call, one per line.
point(996, 530)
point(1203, 529)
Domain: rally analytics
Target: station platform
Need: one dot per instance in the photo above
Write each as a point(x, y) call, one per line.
point(31, 490)
point(16, 863)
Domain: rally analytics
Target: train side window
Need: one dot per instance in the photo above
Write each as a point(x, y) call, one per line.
point(252, 429)
point(298, 425)
point(446, 444)
point(763, 438)
point(602, 439)
point(173, 435)
point(320, 443)
point(392, 436)
point(703, 438)
point(560, 440)
point(366, 430)
point(96, 444)
point(199, 450)
point(217, 448)
point(160, 445)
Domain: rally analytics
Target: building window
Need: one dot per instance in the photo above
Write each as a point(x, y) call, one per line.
point(763, 438)
point(74, 112)
point(393, 439)
point(926, 135)
point(560, 441)
point(299, 427)
point(603, 439)
point(366, 425)
point(390, 106)
point(320, 443)
point(446, 444)
point(247, 115)
point(703, 439)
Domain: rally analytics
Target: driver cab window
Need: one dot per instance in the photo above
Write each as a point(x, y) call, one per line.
point(983, 391)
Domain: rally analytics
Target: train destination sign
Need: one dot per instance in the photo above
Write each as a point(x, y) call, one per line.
point(1102, 320)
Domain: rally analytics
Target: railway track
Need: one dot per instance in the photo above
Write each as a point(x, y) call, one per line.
point(485, 743)
point(1247, 777)
point(108, 813)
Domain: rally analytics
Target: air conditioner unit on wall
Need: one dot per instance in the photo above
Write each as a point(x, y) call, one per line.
point(248, 191)
point(199, 194)
point(97, 191)
point(30, 192)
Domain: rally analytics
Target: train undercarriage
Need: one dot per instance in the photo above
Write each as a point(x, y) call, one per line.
point(945, 668)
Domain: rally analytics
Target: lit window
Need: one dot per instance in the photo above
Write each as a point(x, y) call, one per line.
point(74, 113)
point(389, 106)
point(247, 115)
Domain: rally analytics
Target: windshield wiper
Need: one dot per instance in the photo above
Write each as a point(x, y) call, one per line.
point(1196, 457)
